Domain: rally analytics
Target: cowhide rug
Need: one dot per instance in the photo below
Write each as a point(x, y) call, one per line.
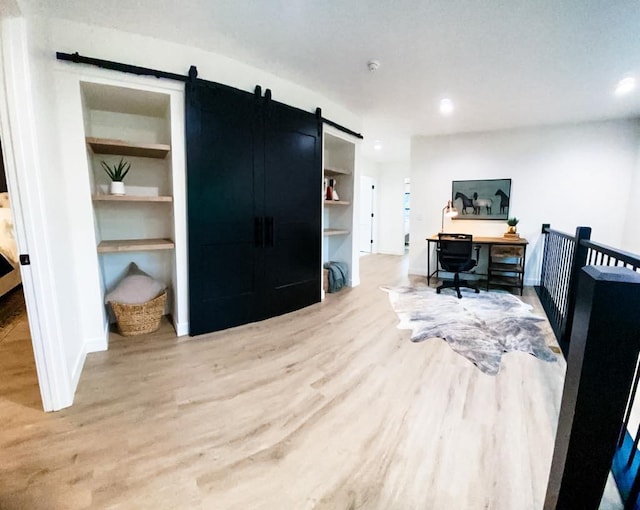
point(479, 327)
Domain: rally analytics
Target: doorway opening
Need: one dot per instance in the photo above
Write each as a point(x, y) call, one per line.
point(18, 376)
point(407, 212)
point(367, 215)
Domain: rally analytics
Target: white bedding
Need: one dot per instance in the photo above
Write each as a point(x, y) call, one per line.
point(7, 240)
point(8, 246)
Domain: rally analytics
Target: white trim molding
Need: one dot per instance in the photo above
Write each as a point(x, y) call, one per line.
point(18, 131)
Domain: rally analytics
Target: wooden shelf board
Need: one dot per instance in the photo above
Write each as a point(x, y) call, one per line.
point(506, 267)
point(505, 281)
point(336, 171)
point(335, 232)
point(135, 245)
point(123, 148)
point(337, 202)
point(131, 198)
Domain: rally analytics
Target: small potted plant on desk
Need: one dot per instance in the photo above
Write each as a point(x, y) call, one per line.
point(117, 174)
point(511, 231)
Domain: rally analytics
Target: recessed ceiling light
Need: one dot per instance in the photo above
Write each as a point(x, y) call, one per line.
point(377, 146)
point(625, 86)
point(446, 106)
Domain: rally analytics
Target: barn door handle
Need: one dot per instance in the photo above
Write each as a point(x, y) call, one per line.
point(258, 230)
point(270, 231)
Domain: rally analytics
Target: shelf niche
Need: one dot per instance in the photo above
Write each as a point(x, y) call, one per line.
point(134, 124)
point(338, 215)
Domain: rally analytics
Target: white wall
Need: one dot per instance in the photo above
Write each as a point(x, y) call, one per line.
point(568, 176)
point(110, 44)
point(368, 167)
point(631, 236)
point(391, 188)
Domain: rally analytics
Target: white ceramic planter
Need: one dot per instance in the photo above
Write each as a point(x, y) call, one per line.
point(117, 188)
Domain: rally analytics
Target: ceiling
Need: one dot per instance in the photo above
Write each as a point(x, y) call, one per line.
point(503, 63)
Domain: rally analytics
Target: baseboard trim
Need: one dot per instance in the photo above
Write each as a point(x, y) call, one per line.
point(383, 252)
point(77, 368)
point(182, 328)
point(98, 344)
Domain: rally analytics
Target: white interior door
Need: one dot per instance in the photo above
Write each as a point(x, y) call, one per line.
point(367, 218)
point(20, 156)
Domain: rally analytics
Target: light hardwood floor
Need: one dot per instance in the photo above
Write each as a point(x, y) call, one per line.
point(330, 407)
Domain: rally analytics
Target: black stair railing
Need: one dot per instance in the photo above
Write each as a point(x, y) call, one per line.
point(563, 257)
point(598, 327)
point(603, 353)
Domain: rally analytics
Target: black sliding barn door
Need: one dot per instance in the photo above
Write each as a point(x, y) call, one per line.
point(224, 143)
point(254, 207)
point(293, 194)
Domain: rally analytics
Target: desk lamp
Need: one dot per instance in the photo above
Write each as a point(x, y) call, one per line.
point(450, 211)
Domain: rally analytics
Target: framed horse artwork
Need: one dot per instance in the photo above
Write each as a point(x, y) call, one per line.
point(486, 199)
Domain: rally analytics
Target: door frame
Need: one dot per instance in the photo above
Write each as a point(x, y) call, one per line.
point(374, 202)
point(18, 130)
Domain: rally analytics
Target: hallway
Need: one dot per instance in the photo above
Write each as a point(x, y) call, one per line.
point(329, 407)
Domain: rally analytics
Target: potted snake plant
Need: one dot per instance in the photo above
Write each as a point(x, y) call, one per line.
point(512, 222)
point(117, 173)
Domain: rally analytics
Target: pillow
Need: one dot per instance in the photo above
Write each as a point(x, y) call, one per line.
point(135, 288)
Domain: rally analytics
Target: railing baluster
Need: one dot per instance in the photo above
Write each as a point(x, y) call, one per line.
point(554, 270)
point(633, 451)
point(630, 504)
point(577, 262)
point(632, 398)
point(558, 267)
point(564, 275)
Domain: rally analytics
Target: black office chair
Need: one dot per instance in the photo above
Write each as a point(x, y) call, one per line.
point(454, 255)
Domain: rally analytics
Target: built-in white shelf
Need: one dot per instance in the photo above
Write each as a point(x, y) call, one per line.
point(336, 171)
point(122, 245)
point(339, 164)
point(131, 198)
point(335, 232)
point(124, 148)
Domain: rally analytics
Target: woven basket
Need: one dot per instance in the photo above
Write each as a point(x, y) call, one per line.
point(139, 319)
point(325, 280)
